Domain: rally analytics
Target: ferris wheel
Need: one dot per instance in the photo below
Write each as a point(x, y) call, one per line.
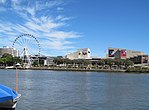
point(29, 42)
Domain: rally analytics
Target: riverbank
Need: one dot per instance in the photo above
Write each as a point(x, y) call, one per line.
point(77, 69)
point(129, 70)
point(69, 69)
point(138, 70)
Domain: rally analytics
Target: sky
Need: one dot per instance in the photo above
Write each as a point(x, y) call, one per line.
point(63, 26)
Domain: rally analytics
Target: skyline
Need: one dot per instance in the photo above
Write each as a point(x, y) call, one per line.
point(63, 26)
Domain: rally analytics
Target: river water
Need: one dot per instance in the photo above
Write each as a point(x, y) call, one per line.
point(60, 90)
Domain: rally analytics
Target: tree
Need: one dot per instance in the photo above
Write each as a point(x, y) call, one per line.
point(8, 59)
point(128, 63)
point(101, 62)
point(119, 62)
point(35, 63)
point(79, 62)
point(17, 60)
point(3, 61)
point(58, 61)
point(7, 55)
point(109, 62)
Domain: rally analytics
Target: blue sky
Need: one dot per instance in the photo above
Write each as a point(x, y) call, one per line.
point(63, 26)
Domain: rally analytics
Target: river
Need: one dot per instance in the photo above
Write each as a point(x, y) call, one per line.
point(60, 90)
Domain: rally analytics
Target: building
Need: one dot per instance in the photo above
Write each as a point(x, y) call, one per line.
point(123, 53)
point(49, 61)
point(140, 59)
point(43, 60)
point(12, 51)
point(80, 54)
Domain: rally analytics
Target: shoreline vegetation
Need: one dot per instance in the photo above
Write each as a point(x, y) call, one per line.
point(129, 70)
point(79, 69)
point(7, 61)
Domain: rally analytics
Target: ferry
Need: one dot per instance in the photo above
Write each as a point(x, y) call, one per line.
point(8, 98)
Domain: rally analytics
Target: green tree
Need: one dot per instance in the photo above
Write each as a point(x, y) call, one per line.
point(35, 63)
point(119, 62)
point(110, 62)
point(3, 61)
point(7, 55)
point(57, 61)
point(128, 63)
point(8, 59)
point(101, 62)
point(17, 60)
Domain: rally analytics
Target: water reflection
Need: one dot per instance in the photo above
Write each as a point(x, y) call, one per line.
point(51, 90)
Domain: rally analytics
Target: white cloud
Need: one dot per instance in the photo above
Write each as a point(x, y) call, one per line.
point(31, 11)
point(45, 27)
point(63, 18)
point(2, 1)
point(60, 35)
point(60, 9)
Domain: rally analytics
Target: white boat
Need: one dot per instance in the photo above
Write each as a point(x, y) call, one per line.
point(9, 67)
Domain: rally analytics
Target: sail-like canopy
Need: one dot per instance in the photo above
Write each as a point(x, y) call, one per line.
point(6, 93)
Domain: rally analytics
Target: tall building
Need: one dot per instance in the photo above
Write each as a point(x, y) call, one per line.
point(123, 53)
point(12, 51)
point(80, 54)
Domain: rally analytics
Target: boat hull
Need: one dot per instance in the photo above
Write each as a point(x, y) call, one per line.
point(8, 104)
